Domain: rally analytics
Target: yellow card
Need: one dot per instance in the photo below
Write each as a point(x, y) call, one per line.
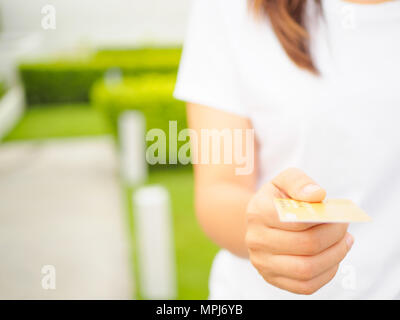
point(333, 210)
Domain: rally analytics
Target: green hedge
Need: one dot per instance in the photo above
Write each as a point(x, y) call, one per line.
point(66, 81)
point(151, 94)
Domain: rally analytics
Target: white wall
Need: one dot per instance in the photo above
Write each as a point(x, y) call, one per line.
point(84, 24)
point(99, 22)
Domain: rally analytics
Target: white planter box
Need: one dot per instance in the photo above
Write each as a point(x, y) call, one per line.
point(11, 109)
point(14, 47)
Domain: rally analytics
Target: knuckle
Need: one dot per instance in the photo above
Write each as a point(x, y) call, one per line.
point(255, 262)
point(335, 270)
point(260, 264)
point(344, 228)
point(343, 252)
point(252, 240)
point(252, 206)
point(305, 269)
point(340, 230)
point(258, 204)
point(256, 238)
point(285, 176)
point(292, 180)
point(307, 288)
point(252, 218)
point(311, 243)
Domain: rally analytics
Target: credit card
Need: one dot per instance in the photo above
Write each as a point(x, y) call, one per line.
point(330, 210)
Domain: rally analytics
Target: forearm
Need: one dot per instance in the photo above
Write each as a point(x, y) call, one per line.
point(222, 194)
point(221, 212)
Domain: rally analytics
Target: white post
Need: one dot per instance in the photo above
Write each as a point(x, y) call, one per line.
point(113, 77)
point(155, 243)
point(131, 129)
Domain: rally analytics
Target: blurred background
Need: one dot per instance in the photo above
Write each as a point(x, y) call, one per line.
point(80, 217)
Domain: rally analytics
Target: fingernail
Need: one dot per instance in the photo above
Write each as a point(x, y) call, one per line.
point(349, 241)
point(310, 188)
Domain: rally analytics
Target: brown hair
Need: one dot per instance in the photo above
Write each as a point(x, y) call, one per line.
point(287, 18)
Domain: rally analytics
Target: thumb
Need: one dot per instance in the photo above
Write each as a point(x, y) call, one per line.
point(299, 186)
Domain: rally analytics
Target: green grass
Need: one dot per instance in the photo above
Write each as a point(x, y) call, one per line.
point(57, 121)
point(194, 252)
point(2, 88)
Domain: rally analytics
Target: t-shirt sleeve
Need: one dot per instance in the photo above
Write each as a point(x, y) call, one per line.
point(207, 73)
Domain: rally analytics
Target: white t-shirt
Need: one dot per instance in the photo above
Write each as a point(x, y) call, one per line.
point(342, 129)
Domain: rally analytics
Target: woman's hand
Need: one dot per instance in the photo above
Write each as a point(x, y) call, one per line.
point(297, 257)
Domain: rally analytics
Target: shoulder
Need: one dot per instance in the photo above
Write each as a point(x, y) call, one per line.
point(231, 19)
